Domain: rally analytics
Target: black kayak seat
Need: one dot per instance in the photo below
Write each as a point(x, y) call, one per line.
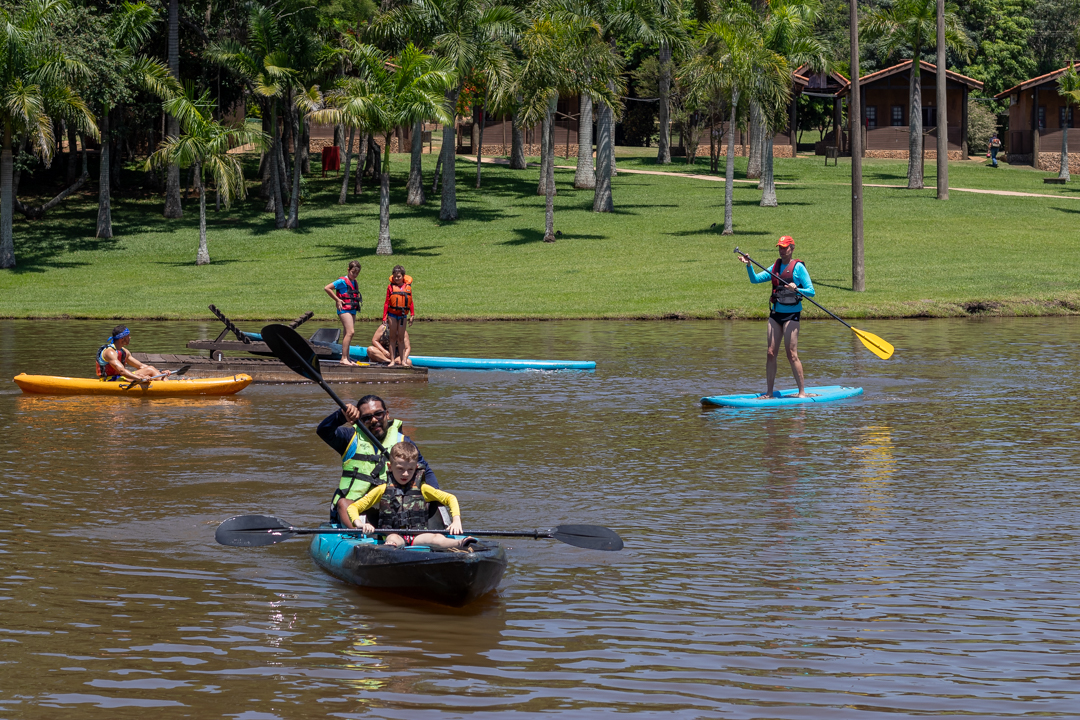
point(326, 335)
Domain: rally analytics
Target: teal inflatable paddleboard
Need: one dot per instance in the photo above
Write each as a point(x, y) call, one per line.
point(783, 397)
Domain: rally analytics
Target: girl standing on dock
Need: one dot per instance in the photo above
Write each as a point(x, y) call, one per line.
point(346, 295)
point(398, 306)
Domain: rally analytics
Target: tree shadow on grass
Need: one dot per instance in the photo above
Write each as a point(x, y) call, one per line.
point(341, 253)
point(718, 232)
point(40, 252)
point(527, 236)
point(191, 263)
point(830, 283)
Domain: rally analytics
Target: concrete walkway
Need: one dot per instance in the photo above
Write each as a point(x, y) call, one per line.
point(715, 178)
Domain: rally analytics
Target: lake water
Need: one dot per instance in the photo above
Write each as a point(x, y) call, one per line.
point(911, 552)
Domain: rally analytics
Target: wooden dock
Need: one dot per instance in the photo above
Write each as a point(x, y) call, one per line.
point(273, 371)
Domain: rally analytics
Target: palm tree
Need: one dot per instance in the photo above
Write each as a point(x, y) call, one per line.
point(473, 37)
point(266, 70)
point(130, 26)
point(388, 93)
point(204, 144)
point(35, 76)
point(173, 207)
point(787, 30)
point(910, 25)
point(565, 53)
point(732, 61)
point(1069, 88)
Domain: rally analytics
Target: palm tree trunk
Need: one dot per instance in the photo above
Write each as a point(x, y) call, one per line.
point(1063, 173)
point(663, 154)
point(362, 151)
point(768, 192)
point(480, 140)
point(545, 142)
point(915, 138)
point(448, 202)
point(549, 184)
point(585, 177)
point(305, 145)
point(517, 143)
point(384, 247)
point(173, 207)
point(7, 201)
point(104, 218)
point(72, 152)
point(348, 162)
point(611, 136)
point(602, 200)
point(416, 167)
point(438, 170)
point(275, 172)
point(265, 161)
point(293, 223)
point(729, 173)
point(203, 256)
point(753, 162)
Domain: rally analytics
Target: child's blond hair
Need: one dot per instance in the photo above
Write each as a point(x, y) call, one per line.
point(405, 451)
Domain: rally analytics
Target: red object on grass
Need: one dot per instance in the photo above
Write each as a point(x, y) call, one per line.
point(331, 159)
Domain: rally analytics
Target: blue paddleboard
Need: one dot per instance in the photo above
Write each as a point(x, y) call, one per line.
point(783, 397)
point(428, 361)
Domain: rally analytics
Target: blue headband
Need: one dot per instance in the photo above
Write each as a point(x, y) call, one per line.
point(123, 334)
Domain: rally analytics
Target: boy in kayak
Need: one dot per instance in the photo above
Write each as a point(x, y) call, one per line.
point(789, 280)
point(362, 465)
point(113, 358)
point(379, 349)
point(347, 298)
point(402, 503)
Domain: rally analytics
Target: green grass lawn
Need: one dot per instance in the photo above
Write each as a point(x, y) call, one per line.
point(657, 255)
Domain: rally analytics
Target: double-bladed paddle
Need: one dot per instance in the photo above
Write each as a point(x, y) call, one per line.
point(179, 371)
point(260, 530)
point(294, 351)
point(873, 343)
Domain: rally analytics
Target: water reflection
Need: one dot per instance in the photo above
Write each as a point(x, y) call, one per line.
point(911, 553)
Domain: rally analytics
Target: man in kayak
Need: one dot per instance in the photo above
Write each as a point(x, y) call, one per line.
point(362, 466)
point(790, 280)
point(402, 503)
point(113, 358)
point(379, 349)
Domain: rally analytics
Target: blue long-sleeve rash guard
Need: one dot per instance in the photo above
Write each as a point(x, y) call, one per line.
point(800, 277)
point(337, 432)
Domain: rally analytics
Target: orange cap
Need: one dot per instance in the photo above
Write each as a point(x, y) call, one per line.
point(784, 241)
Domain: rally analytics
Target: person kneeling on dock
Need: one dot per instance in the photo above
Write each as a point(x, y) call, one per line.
point(405, 501)
point(362, 465)
point(113, 358)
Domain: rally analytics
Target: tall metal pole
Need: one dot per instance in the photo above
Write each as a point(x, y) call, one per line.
point(942, 109)
point(858, 276)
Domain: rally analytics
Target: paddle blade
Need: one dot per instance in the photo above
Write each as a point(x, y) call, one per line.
point(253, 531)
point(593, 537)
point(293, 350)
point(875, 344)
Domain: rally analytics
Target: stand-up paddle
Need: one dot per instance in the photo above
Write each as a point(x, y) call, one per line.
point(294, 351)
point(260, 530)
point(873, 343)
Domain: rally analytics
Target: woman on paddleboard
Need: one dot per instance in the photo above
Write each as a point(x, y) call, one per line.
point(790, 282)
point(346, 296)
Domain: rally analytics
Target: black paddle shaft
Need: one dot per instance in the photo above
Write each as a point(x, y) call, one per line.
point(284, 342)
point(834, 317)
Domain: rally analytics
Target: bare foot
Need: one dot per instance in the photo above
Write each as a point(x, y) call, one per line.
point(802, 395)
point(393, 363)
point(343, 361)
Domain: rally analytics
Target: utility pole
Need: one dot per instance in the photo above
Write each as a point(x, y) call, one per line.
point(858, 275)
point(942, 109)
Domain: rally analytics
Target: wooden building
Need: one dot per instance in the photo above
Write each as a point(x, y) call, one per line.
point(1037, 114)
point(830, 85)
point(885, 97)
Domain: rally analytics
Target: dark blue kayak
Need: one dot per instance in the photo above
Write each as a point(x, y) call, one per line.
point(783, 397)
point(429, 361)
point(441, 576)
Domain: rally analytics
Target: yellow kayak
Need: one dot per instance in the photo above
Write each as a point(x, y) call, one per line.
point(174, 387)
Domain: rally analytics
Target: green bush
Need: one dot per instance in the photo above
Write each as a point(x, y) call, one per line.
point(981, 127)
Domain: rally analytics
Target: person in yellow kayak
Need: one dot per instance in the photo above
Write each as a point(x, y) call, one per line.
point(405, 502)
point(789, 280)
point(113, 359)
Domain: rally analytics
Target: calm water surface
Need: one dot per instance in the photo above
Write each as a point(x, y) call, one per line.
point(909, 553)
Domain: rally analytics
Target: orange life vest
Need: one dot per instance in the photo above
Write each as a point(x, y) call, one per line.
point(400, 297)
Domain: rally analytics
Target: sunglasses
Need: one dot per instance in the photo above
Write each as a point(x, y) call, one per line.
point(377, 414)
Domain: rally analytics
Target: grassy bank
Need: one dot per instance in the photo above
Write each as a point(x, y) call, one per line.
point(657, 255)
